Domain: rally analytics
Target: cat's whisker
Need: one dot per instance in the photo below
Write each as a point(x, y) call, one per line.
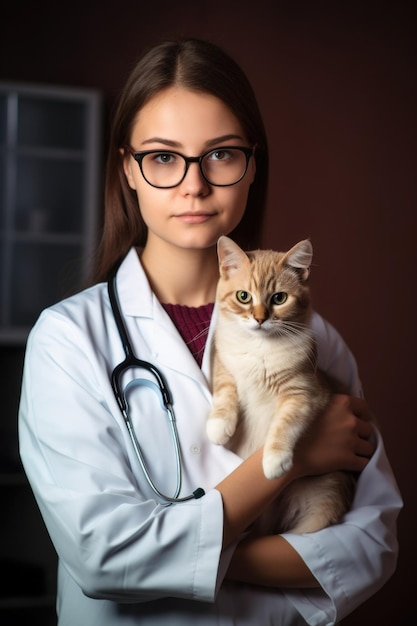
point(294, 330)
point(198, 335)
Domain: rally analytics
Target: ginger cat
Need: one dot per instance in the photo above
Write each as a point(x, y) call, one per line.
point(266, 386)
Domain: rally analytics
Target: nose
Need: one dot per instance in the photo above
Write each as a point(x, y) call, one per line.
point(260, 313)
point(194, 183)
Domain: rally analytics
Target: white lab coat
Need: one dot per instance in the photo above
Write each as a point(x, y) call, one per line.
point(124, 557)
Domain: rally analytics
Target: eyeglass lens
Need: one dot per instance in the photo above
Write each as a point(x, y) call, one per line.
point(223, 166)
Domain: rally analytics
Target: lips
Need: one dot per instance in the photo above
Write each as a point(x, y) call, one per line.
point(195, 218)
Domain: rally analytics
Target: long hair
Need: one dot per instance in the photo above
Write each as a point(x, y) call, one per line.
point(202, 67)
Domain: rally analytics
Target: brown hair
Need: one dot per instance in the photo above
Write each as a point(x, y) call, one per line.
point(200, 66)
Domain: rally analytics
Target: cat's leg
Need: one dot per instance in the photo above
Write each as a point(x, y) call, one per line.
point(222, 421)
point(294, 414)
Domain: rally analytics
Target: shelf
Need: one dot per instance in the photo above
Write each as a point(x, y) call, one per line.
point(41, 237)
point(14, 479)
point(14, 337)
point(41, 152)
point(24, 602)
point(50, 143)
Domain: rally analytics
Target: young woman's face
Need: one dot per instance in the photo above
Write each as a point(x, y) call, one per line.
point(194, 214)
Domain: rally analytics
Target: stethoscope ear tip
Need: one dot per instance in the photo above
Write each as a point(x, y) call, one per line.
point(199, 493)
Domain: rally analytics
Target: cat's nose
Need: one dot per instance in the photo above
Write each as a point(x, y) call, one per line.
point(260, 313)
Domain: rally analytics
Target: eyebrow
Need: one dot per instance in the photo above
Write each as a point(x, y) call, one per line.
point(177, 144)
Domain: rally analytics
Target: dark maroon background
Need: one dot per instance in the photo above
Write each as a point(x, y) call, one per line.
point(336, 85)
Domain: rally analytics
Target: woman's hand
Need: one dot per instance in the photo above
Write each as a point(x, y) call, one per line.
point(340, 439)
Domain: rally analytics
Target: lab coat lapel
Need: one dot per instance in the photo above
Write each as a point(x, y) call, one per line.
point(167, 346)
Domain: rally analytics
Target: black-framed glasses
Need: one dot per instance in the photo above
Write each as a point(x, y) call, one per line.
point(221, 167)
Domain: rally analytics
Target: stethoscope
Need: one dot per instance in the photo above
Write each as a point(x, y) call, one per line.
point(131, 361)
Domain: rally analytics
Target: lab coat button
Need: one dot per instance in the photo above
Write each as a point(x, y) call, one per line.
point(195, 449)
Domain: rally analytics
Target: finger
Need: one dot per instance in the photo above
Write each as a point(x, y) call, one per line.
point(360, 463)
point(360, 408)
point(364, 448)
point(364, 429)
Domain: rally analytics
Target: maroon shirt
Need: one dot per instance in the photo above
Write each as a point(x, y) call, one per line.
point(193, 324)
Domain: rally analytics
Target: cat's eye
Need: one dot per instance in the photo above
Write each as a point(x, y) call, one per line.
point(243, 296)
point(279, 298)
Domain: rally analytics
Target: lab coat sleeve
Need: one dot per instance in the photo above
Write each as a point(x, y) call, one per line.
point(351, 560)
point(115, 543)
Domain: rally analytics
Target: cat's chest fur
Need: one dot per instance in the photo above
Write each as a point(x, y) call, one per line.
point(260, 362)
point(263, 368)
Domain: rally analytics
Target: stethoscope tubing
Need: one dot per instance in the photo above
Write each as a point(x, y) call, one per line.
point(132, 361)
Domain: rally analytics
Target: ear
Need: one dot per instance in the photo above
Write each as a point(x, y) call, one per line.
point(231, 256)
point(252, 168)
point(127, 168)
point(300, 257)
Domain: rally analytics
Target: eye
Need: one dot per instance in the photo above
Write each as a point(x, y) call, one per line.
point(243, 296)
point(219, 155)
point(164, 158)
point(279, 298)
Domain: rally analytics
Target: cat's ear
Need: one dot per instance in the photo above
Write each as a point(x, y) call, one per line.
point(300, 257)
point(231, 256)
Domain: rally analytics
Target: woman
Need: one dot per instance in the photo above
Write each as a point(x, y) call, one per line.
point(187, 163)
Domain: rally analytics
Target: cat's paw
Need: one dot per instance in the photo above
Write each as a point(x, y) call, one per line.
point(275, 464)
point(219, 430)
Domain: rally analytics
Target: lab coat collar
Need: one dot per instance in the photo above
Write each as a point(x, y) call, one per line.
point(135, 295)
point(137, 300)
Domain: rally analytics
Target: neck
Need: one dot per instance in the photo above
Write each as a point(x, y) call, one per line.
point(182, 276)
